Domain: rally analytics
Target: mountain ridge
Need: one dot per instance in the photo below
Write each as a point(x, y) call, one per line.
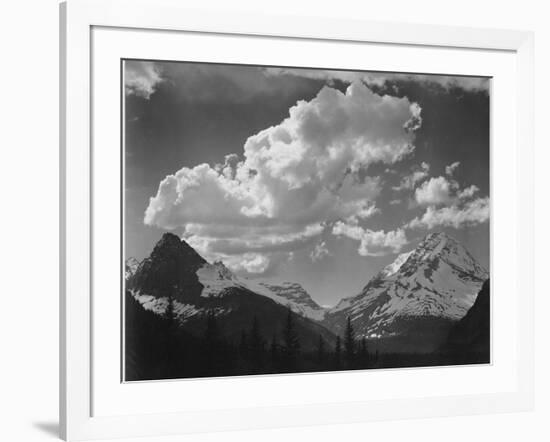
point(176, 278)
point(432, 285)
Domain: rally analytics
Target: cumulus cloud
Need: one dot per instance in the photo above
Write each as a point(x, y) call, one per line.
point(292, 179)
point(449, 205)
point(435, 191)
point(418, 174)
point(380, 79)
point(468, 192)
point(141, 78)
point(319, 251)
point(442, 191)
point(450, 169)
point(457, 216)
point(248, 262)
point(372, 243)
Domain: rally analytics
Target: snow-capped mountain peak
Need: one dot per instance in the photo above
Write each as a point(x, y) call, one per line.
point(438, 279)
point(217, 279)
point(394, 267)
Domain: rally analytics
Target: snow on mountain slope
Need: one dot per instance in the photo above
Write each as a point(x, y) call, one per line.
point(394, 267)
point(439, 279)
point(217, 279)
point(292, 294)
point(159, 305)
point(130, 267)
point(175, 275)
point(174, 267)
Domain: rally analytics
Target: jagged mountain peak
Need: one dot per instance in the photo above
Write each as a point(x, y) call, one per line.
point(169, 270)
point(394, 267)
point(173, 244)
point(439, 279)
point(222, 270)
point(435, 244)
point(130, 267)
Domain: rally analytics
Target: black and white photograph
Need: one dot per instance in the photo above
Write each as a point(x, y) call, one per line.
point(297, 220)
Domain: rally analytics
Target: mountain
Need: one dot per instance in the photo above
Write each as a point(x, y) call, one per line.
point(170, 270)
point(294, 295)
point(174, 267)
point(217, 279)
point(130, 267)
point(469, 339)
point(176, 275)
point(412, 303)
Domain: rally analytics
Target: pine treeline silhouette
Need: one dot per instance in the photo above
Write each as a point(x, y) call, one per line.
point(157, 348)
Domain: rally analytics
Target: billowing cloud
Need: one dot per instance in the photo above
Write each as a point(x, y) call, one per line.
point(292, 179)
point(446, 82)
point(450, 169)
point(418, 174)
point(435, 191)
point(442, 191)
point(319, 251)
point(141, 78)
point(457, 216)
point(372, 243)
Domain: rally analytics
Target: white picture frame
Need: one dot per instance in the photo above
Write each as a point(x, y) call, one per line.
point(79, 18)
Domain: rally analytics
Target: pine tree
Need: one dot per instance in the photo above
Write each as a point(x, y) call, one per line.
point(321, 351)
point(256, 345)
point(212, 345)
point(243, 345)
point(169, 338)
point(211, 335)
point(349, 343)
point(337, 353)
point(274, 350)
point(170, 313)
point(291, 342)
point(364, 353)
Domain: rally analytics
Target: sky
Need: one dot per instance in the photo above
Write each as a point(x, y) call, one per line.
point(320, 177)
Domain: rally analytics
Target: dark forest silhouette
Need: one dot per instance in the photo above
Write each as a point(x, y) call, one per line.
point(158, 348)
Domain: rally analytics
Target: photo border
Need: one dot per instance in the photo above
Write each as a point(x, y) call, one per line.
point(77, 17)
point(123, 256)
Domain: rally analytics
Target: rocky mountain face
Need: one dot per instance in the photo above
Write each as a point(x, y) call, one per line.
point(297, 297)
point(175, 274)
point(170, 270)
point(417, 298)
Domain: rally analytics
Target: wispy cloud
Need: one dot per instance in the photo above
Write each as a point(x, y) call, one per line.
point(450, 169)
point(457, 216)
point(319, 252)
point(141, 78)
point(418, 174)
point(445, 82)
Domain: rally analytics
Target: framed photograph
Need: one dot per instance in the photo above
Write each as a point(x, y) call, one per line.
point(280, 221)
